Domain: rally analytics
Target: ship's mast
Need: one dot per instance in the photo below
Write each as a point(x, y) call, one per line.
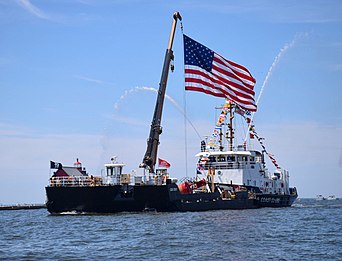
point(150, 157)
point(230, 126)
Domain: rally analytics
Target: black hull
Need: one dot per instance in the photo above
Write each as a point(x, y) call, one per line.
point(166, 198)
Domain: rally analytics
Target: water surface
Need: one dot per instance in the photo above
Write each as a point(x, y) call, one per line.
point(309, 230)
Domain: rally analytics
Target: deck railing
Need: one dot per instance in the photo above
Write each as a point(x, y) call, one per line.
point(76, 181)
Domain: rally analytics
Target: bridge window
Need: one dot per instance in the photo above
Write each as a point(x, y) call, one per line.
point(231, 158)
point(109, 171)
point(221, 159)
point(212, 159)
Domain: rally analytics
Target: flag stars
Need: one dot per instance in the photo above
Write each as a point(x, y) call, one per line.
point(198, 54)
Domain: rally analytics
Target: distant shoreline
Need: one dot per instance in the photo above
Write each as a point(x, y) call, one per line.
point(23, 206)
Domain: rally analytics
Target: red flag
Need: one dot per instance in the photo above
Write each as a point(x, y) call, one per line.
point(208, 72)
point(163, 163)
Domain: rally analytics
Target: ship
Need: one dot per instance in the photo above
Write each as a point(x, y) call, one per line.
point(320, 197)
point(227, 176)
point(332, 197)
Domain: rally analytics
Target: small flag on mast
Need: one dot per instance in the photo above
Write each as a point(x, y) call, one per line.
point(163, 163)
point(239, 111)
point(208, 72)
point(55, 165)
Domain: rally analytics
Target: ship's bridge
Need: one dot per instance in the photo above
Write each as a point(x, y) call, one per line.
point(229, 159)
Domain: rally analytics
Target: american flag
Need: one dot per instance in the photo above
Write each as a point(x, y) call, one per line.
point(208, 72)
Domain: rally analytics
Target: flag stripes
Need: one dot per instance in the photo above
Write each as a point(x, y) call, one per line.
point(208, 72)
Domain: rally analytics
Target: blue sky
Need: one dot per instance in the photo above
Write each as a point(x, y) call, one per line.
point(69, 72)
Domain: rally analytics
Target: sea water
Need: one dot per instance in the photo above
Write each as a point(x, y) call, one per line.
point(309, 230)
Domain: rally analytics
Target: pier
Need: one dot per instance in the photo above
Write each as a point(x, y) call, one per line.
point(22, 206)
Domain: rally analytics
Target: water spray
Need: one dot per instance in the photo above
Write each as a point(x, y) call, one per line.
point(150, 89)
point(276, 60)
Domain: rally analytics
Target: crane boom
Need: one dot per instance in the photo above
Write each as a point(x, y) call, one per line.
point(150, 157)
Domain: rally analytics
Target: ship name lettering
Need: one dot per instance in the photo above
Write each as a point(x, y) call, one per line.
point(270, 200)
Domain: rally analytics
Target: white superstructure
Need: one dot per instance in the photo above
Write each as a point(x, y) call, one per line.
point(242, 168)
point(114, 175)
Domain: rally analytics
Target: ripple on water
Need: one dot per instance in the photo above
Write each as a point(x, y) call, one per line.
point(307, 231)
